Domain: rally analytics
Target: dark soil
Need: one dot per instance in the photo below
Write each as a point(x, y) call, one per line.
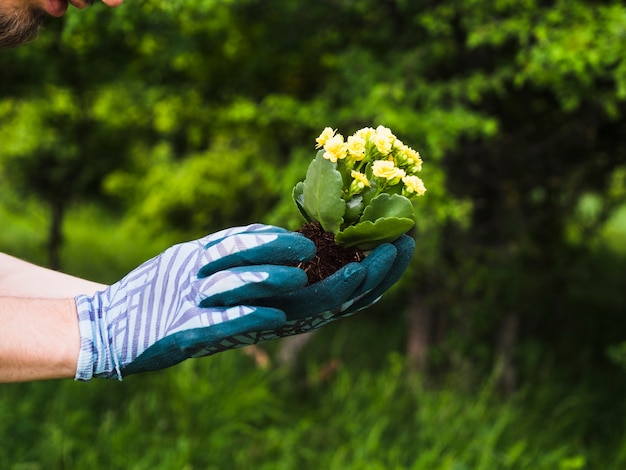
point(330, 256)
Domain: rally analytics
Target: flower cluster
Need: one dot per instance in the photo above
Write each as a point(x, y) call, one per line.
point(390, 161)
point(360, 188)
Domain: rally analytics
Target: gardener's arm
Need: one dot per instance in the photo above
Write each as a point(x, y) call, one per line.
point(39, 339)
point(39, 336)
point(230, 289)
point(22, 279)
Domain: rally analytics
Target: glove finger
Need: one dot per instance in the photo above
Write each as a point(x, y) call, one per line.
point(405, 247)
point(196, 342)
point(257, 248)
point(240, 285)
point(219, 236)
point(377, 265)
point(322, 296)
point(241, 331)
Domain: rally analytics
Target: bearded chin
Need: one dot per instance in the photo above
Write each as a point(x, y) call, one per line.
point(16, 29)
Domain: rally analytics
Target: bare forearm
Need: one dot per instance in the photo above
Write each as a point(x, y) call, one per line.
point(39, 336)
point(39, 339)
point(22, 279)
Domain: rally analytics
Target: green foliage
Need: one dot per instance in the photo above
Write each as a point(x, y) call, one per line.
point(383, 220)
point(367, 235)
point(158, 121)
point(322, 194)
point(222, 412)
point(351, 196)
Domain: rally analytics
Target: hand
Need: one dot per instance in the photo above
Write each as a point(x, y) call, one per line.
point(351, 289)
point(192, 296)
point(80, 4)
point(230, 293)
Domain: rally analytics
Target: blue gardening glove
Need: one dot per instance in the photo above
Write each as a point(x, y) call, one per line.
point(352, 288)
point(191, 296)
point(381, 276)
point(222, 292)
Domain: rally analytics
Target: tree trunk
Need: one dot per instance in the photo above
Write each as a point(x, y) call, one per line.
point(505, 366)
point(419, 338)
point(55, 235)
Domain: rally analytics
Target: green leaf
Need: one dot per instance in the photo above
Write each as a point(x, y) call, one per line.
point(368, 194)
point(368, 235)
point(354, 208)
point(298, 198)
point(322, 194)
point(385, 205)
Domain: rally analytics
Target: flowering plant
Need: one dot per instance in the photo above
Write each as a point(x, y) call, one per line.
point(360, 189)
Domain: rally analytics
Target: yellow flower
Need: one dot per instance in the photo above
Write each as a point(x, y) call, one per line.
point(382, 130)
point(414, 185)
point(387, 169)
point(335, 148)
point(414, 158)
point(360, 179)
point(356, 148)
point(382, 143)
point(365, 133)
point(398, 144)
point(326, 134)
point(383, 139)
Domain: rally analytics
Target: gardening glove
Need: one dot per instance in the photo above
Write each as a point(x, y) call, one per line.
point(222, 292)
point(381, 276)
point(189, 298)
point(352, 288)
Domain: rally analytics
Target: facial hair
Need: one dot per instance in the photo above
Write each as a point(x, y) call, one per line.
point(18, 28)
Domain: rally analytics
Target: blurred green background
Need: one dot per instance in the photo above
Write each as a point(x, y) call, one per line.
point(503, 347)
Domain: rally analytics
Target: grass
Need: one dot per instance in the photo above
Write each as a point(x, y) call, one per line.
point(222, 412)
point(368, 413)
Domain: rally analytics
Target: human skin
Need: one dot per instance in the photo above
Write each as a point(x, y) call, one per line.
point(39, 338)
point(20, 20)
point(19, 278)
point(52, 7)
